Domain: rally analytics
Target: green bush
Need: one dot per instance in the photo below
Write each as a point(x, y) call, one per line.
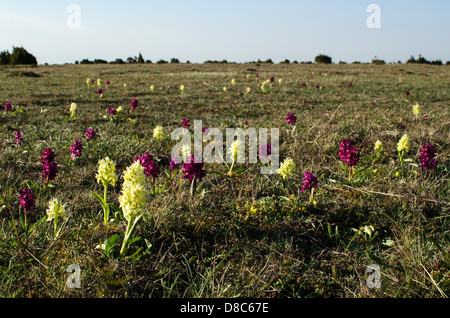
point(378, 62)
point(422, 60)
point(131, 60)
point(100, 61)
point(117, 61)
point(86, 61)
point(19, 56)
point(323, 59)
point(215, 62)
point(5, 58)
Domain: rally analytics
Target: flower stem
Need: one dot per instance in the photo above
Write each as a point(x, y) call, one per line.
point(131, 227)
point(55, 226)
point(311, 195)
point(232, 166)
point(125, 239)
point(106, 205)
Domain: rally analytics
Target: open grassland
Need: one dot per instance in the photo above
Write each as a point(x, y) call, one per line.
point(241, 235)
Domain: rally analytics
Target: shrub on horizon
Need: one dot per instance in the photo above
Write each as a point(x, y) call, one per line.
point(323, 59)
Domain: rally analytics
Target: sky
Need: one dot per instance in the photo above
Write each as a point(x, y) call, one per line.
point(234, 30)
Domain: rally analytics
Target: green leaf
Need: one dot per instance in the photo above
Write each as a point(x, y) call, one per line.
point(41, 220)
point(137, 255)
point(161, 188)
point(135, 223)
point(149, 245)
point(32, 185)
point(118, 214)
point(374, 236)
point(100, 199)
point(136, 239)
point(115, 208)
point(111, 243)
point(240, 171)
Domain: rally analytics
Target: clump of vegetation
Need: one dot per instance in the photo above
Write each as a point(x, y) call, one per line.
point(422, 60)
point(140, 59)
point(23, 74)
point(377, 61)
point(216, 62)
point(5, 58)
point(86, 61)
point(19, 56)
point(323, 59)
point(100, 61)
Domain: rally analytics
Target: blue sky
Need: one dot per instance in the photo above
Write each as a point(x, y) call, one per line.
point(245, 30)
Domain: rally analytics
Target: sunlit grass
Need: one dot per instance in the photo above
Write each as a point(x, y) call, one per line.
point(244, 234)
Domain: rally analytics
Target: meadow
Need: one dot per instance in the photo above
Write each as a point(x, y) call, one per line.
point(239, 234)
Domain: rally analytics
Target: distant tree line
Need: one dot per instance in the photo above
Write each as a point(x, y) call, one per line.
point(319, 59)
point(19, 56)
point(130, 60)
